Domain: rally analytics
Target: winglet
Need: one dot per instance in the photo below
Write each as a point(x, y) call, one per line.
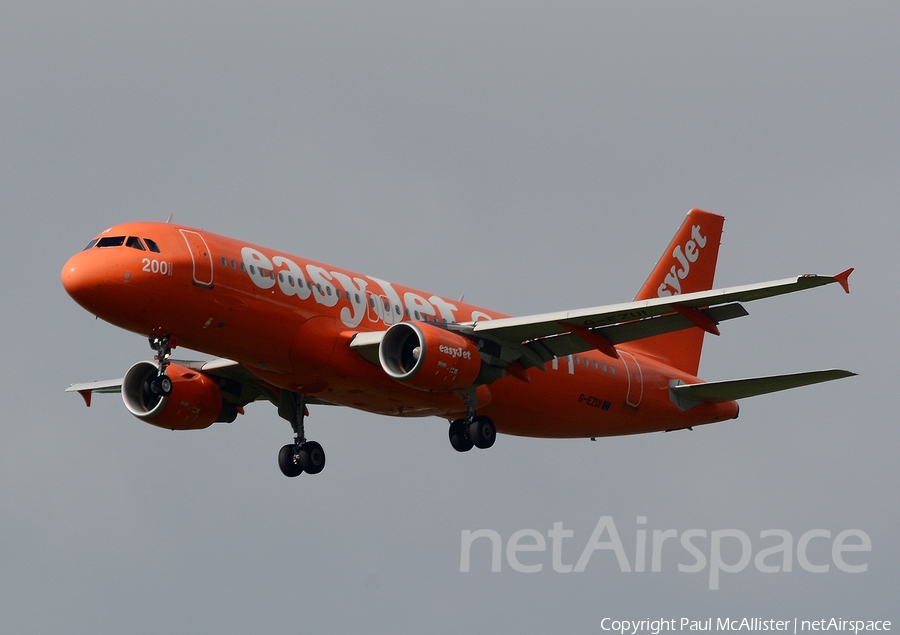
point(86, 395)
point(842, 279)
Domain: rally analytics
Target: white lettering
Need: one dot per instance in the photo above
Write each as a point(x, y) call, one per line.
point(685, 255)
point(446, 309)
point(390, 315)
point(786, 548)
point(296, 283)
point(513, 547)
point(321, 280)
point(839, 547)
point(699, 558)
point(802, 558)
point(355, 289)
point(468, 537)
point(417, 304)
point(604, 524)
point(255, 262)
point(715, 556)
point(556, 535)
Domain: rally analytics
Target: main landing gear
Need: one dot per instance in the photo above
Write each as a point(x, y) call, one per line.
point(301, 455)
point(161, 385)
point(477, 431)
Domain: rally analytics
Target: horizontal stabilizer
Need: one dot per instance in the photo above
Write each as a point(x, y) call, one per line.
point(688, 395)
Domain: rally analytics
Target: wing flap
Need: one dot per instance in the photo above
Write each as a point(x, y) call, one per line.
point(570, 343)
point(730, 390)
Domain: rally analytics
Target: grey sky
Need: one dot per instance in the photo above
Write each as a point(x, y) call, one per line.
point(533, 157)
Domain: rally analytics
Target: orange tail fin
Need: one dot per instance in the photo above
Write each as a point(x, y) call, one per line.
point(687, 265)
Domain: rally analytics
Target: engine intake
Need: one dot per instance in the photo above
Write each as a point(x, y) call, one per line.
point(195, 402)
point(429, 358)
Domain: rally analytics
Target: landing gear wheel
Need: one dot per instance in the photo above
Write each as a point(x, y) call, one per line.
point(289, 466)
point(458, 437)
point(161, 386)
point(482, 432)
point(312, 457)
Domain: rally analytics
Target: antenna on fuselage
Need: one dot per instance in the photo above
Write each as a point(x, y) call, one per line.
point(169, 221)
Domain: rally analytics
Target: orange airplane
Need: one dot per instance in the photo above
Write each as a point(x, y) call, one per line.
point(296, 332)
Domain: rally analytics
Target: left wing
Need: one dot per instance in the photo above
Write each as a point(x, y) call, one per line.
point(536, 339)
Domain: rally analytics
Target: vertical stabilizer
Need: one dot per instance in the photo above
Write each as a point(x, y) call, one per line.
point(687, 265)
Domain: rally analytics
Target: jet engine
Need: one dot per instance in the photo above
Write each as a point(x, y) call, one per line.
point(429, 358)
point(194, 403)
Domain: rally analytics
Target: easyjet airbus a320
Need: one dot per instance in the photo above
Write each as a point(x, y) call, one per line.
point(296, 332)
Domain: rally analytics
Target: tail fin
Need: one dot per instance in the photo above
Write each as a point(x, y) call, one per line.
point(687, 265)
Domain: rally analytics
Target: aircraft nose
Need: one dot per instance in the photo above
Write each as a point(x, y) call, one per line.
point(83, 277)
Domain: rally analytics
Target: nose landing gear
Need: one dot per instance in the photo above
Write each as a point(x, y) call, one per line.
point(161, 384)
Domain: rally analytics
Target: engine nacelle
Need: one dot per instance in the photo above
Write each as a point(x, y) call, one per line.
point(195, 401)
point(429, 358)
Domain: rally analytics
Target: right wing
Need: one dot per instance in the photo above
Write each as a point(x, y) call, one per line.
point(239, 385)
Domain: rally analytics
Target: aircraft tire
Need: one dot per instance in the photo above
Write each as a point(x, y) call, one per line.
point(161, 386)
point(312, 457)
point(286, 461)
point(482, 432)
point(458, 438)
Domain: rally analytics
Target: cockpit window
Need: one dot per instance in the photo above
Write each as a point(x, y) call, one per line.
point(151, 245)
point(91, 244)
point(111, 241)
point(134, 242)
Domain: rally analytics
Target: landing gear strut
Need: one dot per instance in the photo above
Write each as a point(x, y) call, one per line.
point(472, 431)
point(301, 455)
point(161, 384)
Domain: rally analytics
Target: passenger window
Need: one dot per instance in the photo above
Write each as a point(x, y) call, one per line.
point(576, 360)
point(111, 241)
point(152, 246)
point(595, 365)
point(233, 265)
point(224, 262)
